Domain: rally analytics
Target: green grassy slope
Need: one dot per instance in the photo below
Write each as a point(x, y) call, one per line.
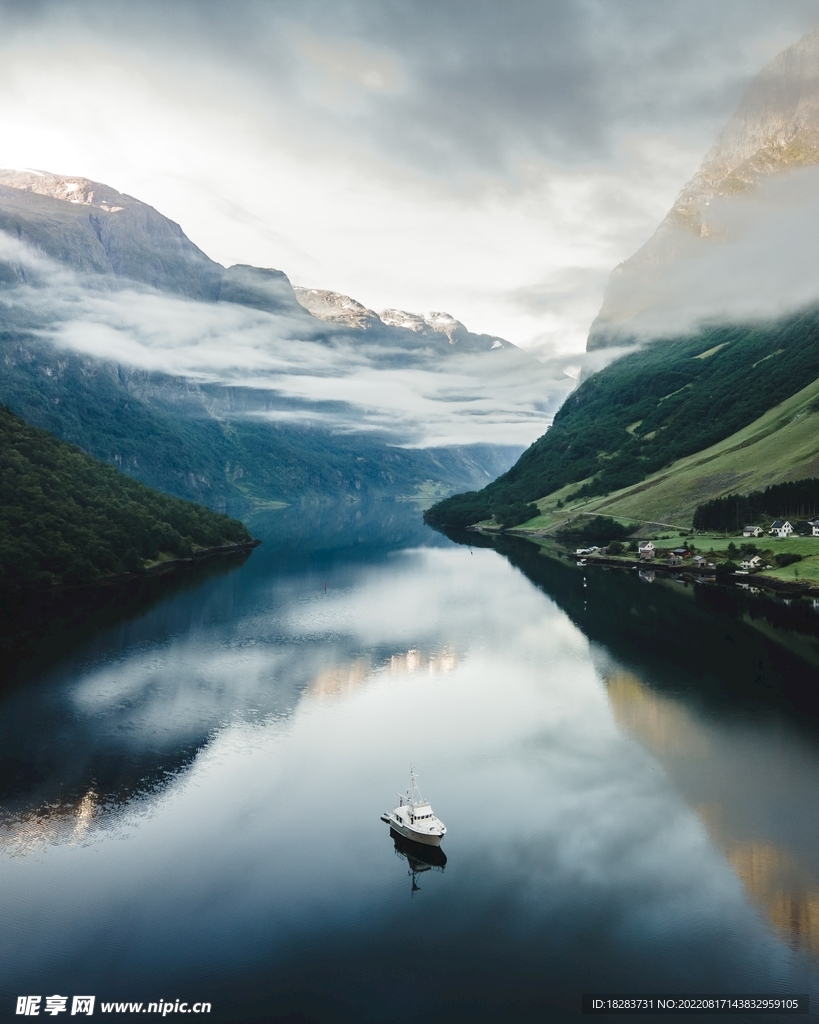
point(65, 516)
point(781, 445)
point(656, 407)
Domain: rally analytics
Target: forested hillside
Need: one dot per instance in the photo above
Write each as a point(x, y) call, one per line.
point(665, 401)
point(199, 443)
point(65, 516)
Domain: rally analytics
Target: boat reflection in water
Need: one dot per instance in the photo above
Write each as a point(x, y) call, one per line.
point(418, 856)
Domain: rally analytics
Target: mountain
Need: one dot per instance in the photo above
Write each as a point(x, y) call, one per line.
point(447, 334)
point(774, 130)
point(78, 256)
point(725, 407)
point(625, 426)
point(65, 517)
point(92, 228)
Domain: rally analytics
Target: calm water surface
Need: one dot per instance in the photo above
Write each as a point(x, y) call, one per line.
point(192, 773)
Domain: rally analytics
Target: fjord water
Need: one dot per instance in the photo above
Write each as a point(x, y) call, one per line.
point(192, 775)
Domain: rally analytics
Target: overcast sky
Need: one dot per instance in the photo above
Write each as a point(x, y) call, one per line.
point(491, 159)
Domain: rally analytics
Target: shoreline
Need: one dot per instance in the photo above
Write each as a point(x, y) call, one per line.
point(156, 568)
point(742, 581)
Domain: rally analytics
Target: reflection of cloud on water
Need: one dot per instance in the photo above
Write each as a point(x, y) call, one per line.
point(778, 881)
point(72, 821)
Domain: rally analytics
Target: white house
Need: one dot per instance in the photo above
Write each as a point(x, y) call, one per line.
point(751, 563)
point(780, 528)
point(814, 525)
point(751, 531)
point(646, 550)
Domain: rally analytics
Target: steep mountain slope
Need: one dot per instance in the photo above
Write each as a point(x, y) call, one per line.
point(230, 441)
point(781, 445)
point(93, 228)
point(774, 130)
point(648, 409)
point(164, 431)
point(67, 517)
point(651, 416)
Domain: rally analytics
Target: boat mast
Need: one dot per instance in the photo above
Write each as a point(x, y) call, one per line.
point(413, 788)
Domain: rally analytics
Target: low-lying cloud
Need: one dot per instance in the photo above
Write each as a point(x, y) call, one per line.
point(336, 379)
point(757, 262)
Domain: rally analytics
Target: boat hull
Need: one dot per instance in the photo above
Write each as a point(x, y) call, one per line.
point(420, 856)
point(425, 838)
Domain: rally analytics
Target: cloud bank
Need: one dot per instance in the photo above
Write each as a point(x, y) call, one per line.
point(757, 262)
point(276, 370)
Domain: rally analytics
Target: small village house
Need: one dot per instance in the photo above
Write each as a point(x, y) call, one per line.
point(646, 550)
point(674, 559)
point(751, 531)
point(699, 561)
point(781, 528)
point(751, 563)
point(682, 552)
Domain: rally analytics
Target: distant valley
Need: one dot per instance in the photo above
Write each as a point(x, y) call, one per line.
point(225, 385)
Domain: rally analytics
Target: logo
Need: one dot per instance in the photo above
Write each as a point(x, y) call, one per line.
point(29, 1006)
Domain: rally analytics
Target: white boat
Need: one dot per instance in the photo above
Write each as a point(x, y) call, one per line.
point(413, 817)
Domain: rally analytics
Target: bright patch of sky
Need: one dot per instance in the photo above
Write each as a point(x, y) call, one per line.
point(493, 161)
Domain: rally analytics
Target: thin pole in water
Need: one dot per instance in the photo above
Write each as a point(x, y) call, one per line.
point(325, 586)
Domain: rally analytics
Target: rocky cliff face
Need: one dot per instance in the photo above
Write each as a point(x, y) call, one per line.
point(92, 228)
point(338, 309)
point(774, 130)
point(443, 330)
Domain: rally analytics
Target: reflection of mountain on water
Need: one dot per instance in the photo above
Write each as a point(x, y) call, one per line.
point(39, 631)
point(724, 646)
point(349, 676)
point(723, 688)
point(62, 823)
point(726, 788)
point(790, 899)
point(341, 527)
point(419, 858)
point(663, 725)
